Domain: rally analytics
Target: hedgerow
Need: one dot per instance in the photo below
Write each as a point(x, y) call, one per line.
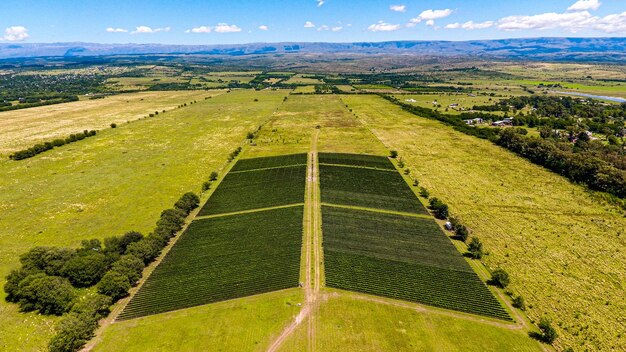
point(40, 148)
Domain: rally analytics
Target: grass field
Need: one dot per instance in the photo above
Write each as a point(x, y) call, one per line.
point(23, 128)
point(117, 181)
point(245, 324)
point(368, 188)
point(302, 79)
point(375, 161)
point(224, 258)
point(464, 101)
point(257, 189)
point(269, 162)
point(354, 325)
point(564, 248)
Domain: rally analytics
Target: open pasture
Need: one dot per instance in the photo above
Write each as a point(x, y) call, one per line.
point(23, 128)
point(370, 188)
point(255, 189)
point(223, 258)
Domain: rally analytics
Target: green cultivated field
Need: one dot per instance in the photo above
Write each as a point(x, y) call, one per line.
point(368, 188)
point(270, 162)
point(255, 189)
point(562, 245)
point(379, 162)
point(391, 237)
point(117, 181)
point(223, 258)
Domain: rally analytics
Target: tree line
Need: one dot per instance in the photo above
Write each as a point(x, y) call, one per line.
point(51, 280)
point(42, 147)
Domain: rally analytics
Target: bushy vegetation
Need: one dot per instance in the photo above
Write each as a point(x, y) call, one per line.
point(40, 148)
point(600, 167)
point(475, 248)
point(222, 258)
point(369, 188)
point(439, 208)
point(500, 278)
point(257, 189)
point(51, 278)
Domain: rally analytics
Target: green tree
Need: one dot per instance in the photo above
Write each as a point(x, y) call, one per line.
point(130, 266)
point(12, 286)
point(548, 333)
point(500, 278)
point(114, 285)
point(50, 295)
point(213, 176)
point(461, 232)
point(475, 248)
point(96, 305)
point(393, 154)
point(72, 333)
point(518, 302)
point(86, 269)
point(47, 259)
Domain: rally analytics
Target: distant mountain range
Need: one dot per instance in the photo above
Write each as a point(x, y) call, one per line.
point(552, 49)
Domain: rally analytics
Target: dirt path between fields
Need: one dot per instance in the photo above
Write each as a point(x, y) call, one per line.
point(312, 250)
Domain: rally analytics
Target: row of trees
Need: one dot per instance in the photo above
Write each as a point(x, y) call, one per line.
point(50, 278)
point(578, 166)
point(40, 148)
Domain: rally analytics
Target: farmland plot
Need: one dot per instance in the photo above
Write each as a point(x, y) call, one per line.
point(257, 189)
point(368, 188)
point(223, 258)
point(401, 257)
point(269, 162)
point(374, 161)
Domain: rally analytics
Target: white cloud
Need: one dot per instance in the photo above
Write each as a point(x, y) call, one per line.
point(383, 27)
point(323, 28)
point(309, 24)
point(430, 16)
point(116, 30)
point(336, 29)
point(612, 23)
point(201, 29)
point(226, 28)
point(573, 21)
point(146, 29)
point(320, 3)
point(263, 27)
point(398, 8)
point(584, 5)
point(469, 25)
point(220, 28)
point(15, 33)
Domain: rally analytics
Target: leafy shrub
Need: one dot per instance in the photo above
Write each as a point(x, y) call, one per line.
point(114, 285)
point(50, 295)
point(548, 333)
point(96, 305)
point(475, 248)
point(12, 286)
point(206, 186)
point(424, 192)
point(50, 260)
point(72, 333)
point(42, 147)
point(500, 278)
point(518, 302)
point(113, 125)
point(461, 232)
point(393, 154)
point(118, 244)
point(439, 208)
point(130, 266)
point(86, 269)
point(213, 176)
point(188, 202)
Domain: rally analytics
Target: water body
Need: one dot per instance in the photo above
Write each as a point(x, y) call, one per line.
point(604, 97)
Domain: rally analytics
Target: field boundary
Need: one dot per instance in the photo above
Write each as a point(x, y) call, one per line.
point(268, 168)
point(378, 210)
point(256, 210)
point(359, 167)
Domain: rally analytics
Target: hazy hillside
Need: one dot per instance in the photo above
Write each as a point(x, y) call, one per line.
point(559, 49)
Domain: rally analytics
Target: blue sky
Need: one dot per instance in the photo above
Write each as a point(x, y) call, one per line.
point(245, 21)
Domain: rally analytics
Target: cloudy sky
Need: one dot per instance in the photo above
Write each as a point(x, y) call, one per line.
point(244, 21)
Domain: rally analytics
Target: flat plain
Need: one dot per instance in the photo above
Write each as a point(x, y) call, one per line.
point(564, 247)
point(23, 128)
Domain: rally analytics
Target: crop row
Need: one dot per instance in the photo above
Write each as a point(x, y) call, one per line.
point(390, 236)
point(223, 258)
point(270, 161)
point(368, 188)
point(375, 161)
point(257, 189)
point(450, 289)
